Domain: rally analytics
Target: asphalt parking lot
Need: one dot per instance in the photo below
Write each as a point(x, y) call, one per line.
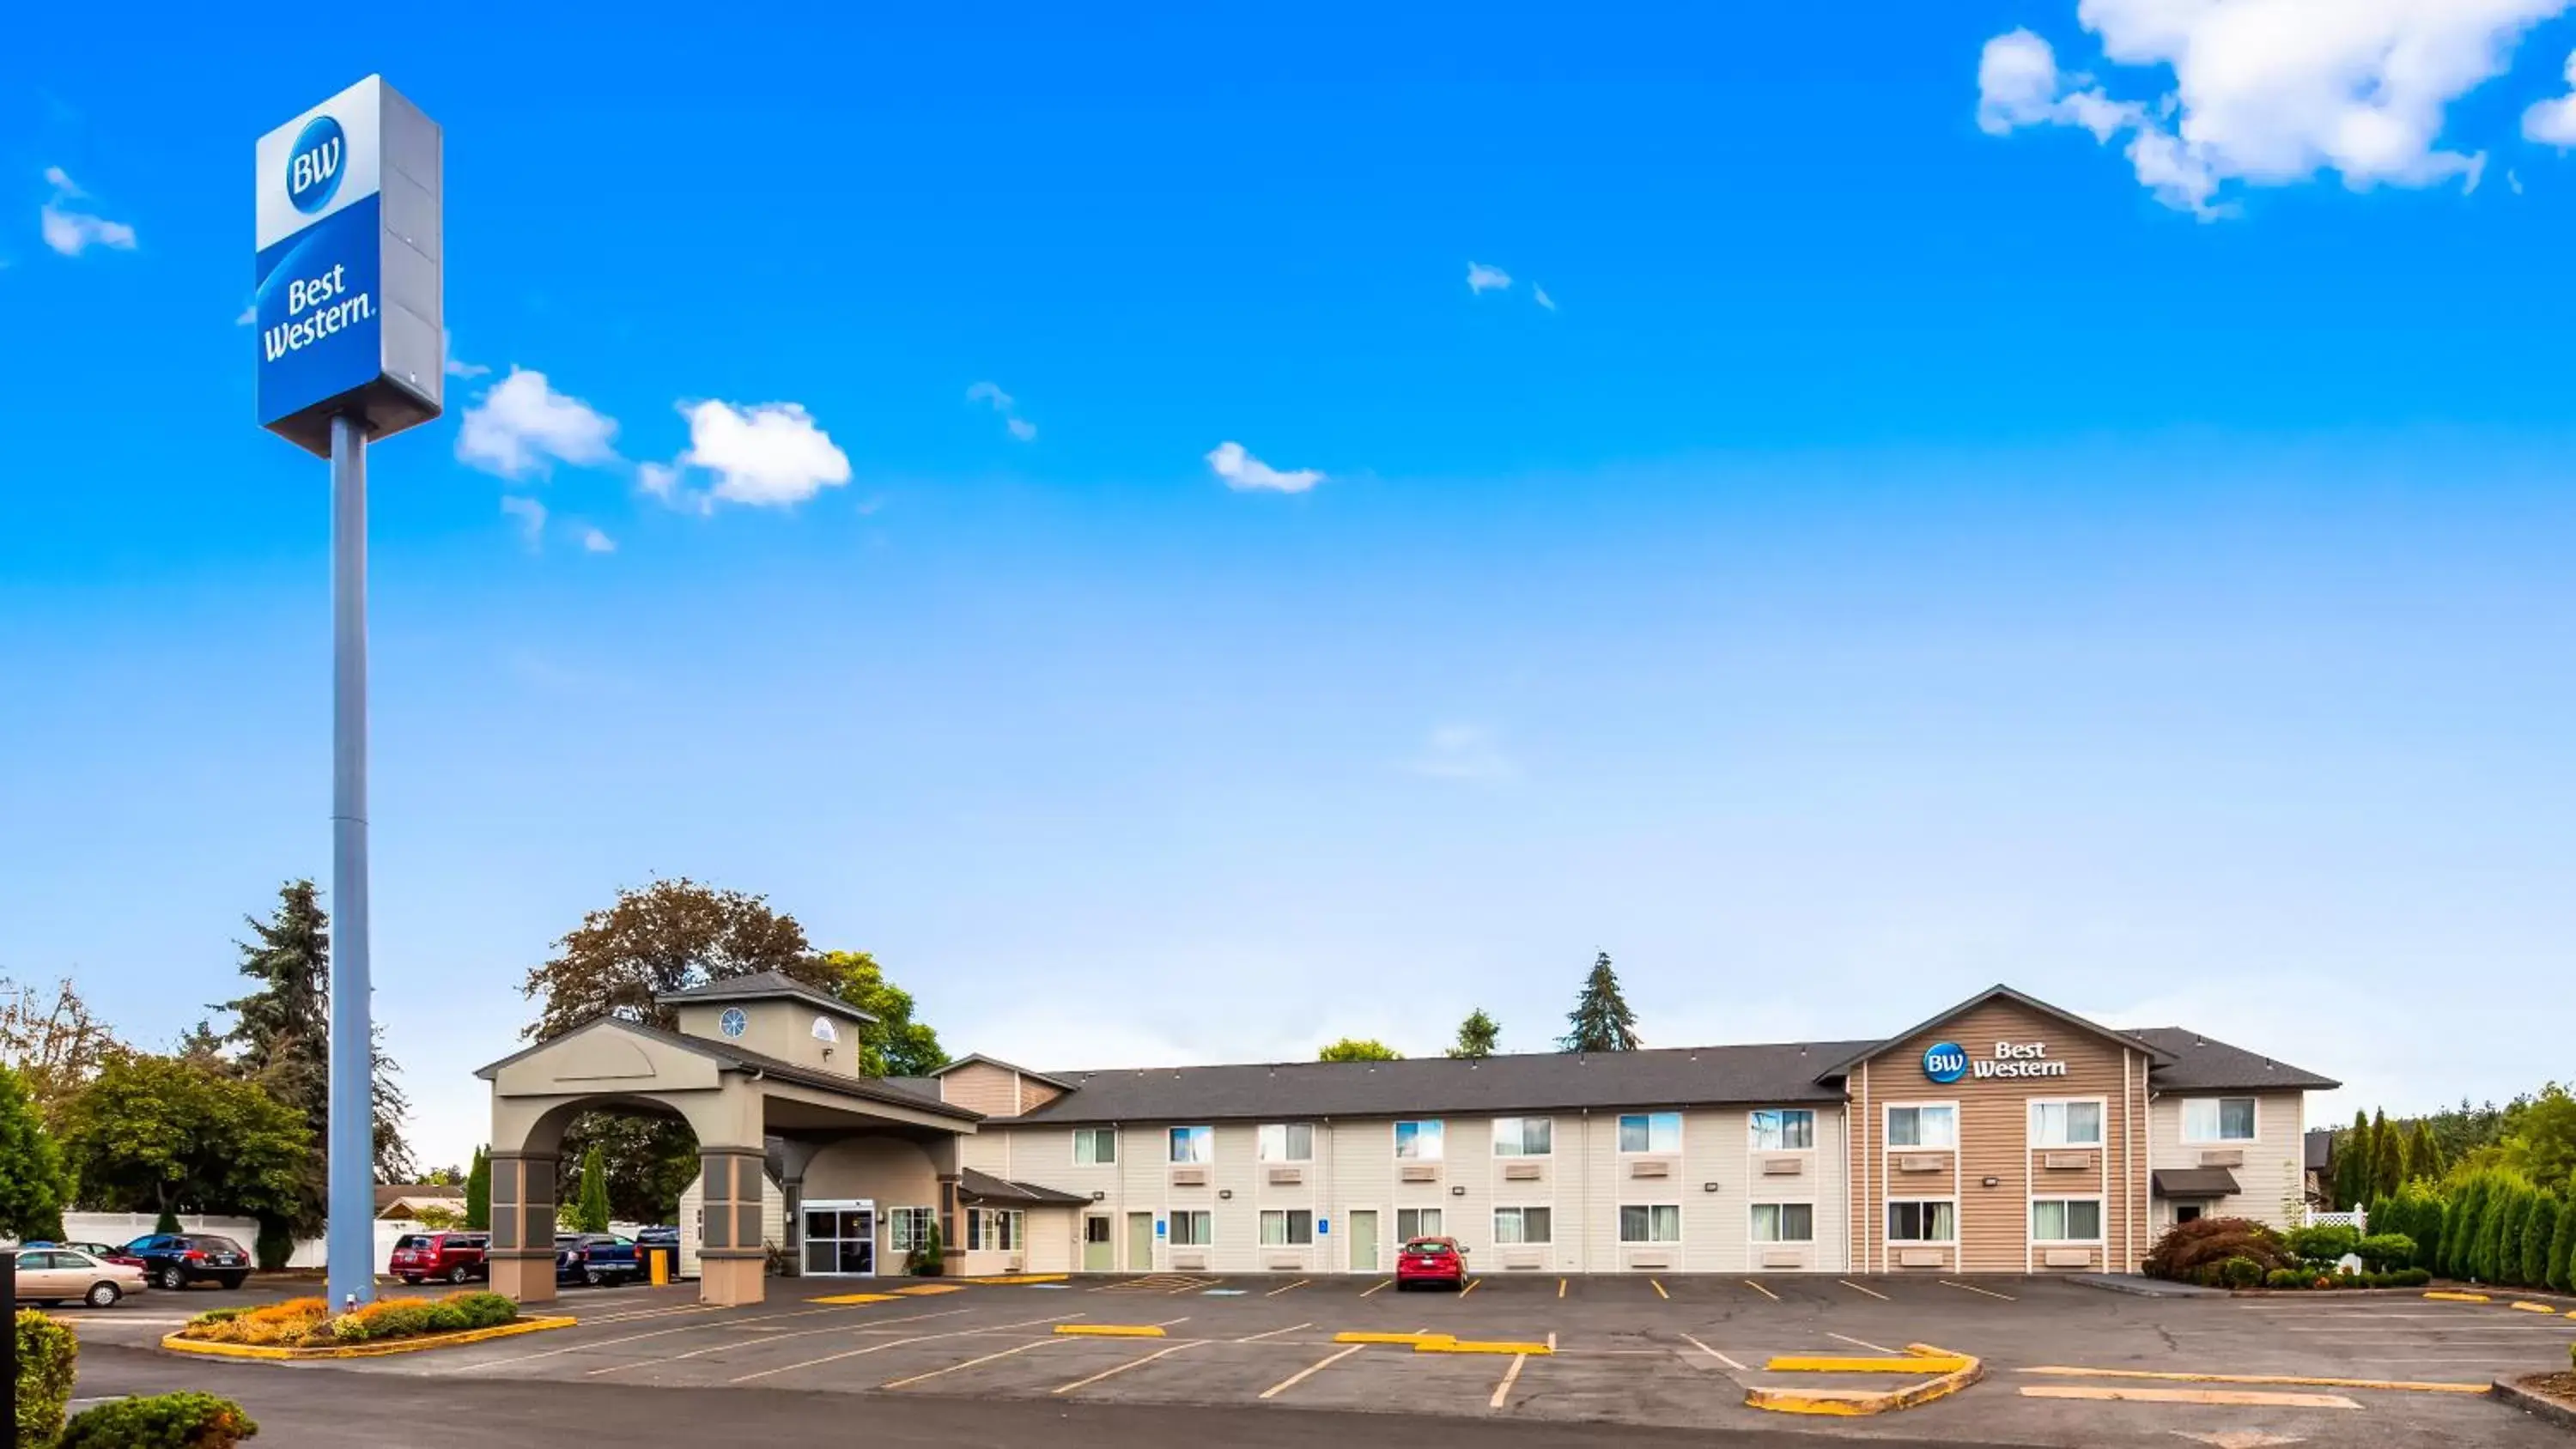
point(2065, 1363)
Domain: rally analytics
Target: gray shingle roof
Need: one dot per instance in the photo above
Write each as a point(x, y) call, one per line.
point(985, 1187)
point(2193, 1182)
point(1539, 1081)
point(726, 1054)
point(2202, 1065)
point(764, 986)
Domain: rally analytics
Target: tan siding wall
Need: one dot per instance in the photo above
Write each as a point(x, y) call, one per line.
point(1035, 1094)
point(2272, 1171)
point(1360, 1162)
point(981, 1087)
point(1541, 1191)
point(1055, 1240)
point(1142, 1178)
point(1994, 1138)
point(1306, 1194)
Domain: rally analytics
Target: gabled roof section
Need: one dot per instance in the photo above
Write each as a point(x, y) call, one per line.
point(2195, 1063)
point(985, 1187)
point(733, 1058)
point(979, 1059)
point(2156, 1056)
point(762, 986)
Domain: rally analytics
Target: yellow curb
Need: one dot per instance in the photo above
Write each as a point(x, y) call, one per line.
point(1409, 1339)
point(2240, 1397)
point(1855, 1364)
point(176, 1344)
point(2405, 1385)
point(2440, 1295)
point(1469, 1346)
point(838, 1298)
point(1856, 1402)
point(1110, 1330)
point(2533, 1308)
point(928, 1289)
point(1009, 1279)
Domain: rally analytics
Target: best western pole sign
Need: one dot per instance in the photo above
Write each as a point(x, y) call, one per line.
point(349, 313)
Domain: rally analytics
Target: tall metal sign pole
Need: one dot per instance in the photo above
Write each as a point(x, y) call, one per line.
point(352, 348)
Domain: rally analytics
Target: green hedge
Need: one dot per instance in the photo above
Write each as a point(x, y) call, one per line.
point(162, 1421)
point(48, 1357)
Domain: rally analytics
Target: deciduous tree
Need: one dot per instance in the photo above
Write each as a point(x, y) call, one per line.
point(1359, 1049)
point(1601, 1020)
point(658, 939)
point(893, 1045)
point(1477, 1036)
point(49, 1038)
point(34, 1186)
point(159, 1134)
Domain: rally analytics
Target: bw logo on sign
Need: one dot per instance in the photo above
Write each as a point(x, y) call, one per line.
point(313, 168)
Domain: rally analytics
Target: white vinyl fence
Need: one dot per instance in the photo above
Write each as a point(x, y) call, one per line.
point(117, 1229)
point(2358, 1219)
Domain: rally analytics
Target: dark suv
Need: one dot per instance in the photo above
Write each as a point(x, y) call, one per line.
point(456, 1257)
point(176, 1260)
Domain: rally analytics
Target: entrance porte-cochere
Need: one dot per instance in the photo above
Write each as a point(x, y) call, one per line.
point(760, 1064)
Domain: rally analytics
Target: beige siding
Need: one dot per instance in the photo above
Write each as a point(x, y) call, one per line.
point(1054, 1240)
point(1360, 1166)
point(1817, 1182)
point(773, 1219)
point(1035, 1094)
point(2271, 1175)
point(981, 1087)
point(1540, 1191)
point(1143, 1185)
point(1306, 1194)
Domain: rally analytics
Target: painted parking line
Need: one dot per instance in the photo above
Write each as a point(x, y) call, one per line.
point(1713, 1353)
point(1560, 1287)
point(1373, 1290)
point(1111, 1373)
point(489, 1363)
point(2244, 1398)
point(1275, 1292)
point(1195, 1287)
point(900, 1342)
point(970, 1363)
point(1758, 1288)
point(1973, 1288)
point(1274, 1333)
point(1658, 1286)
point(874, 1323)
point(1310, 1370)
point(1859, 1343)
point(2299, 1380)
point(1872, 1292)
point(1511, 1376)
point(1471, 1286)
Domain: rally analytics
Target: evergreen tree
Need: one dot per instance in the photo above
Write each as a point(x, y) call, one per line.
point(2387, 1158)
point(2423, 1154)
point(2352, 1164)
point(2562, 1243)
point(1477, 1036)
point(1601, 1019)
point(2461, 1225)
point(590, 1214)
point(2537, 1232)
point(478, 1191)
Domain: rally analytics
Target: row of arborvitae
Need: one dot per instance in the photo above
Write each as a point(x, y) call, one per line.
point(2242, 1253)
point(48, 1361)
point(310, 1323)
point(2492, 1226)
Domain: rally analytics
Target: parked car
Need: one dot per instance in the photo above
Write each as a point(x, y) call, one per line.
point(598, 1259)
point(1430, 1260)
point(456, 1257)
point(176, 1260)
point(100, 1251)
point(56, 1274)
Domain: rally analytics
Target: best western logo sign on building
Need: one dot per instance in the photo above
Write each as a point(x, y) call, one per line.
point(350, 315)
point(1950, 1061)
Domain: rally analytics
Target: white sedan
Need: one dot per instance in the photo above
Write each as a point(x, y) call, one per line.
point(54, 1275)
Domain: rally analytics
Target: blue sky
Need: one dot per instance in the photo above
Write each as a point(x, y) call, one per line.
point(1921, 545)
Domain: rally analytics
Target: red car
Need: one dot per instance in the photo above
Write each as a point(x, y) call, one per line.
point(1431, 1260)
point(456, 1257)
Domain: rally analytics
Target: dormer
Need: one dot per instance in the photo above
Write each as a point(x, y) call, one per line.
point(774, 1015)
point(995, 1087)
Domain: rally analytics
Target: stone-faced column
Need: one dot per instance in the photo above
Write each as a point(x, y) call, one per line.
point(522, 1255)
point(731, 1256)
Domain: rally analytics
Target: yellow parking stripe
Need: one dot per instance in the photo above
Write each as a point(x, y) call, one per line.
point(2534, 1308)
point(1407, 1340)
point(1109, 1330)
point(2302, 1380)
point(2240, 1397)
point(1275, 1292)
point(1973, 1288)
point(927, 1290)
point(1658, 1286)
point(2440, 1295)
point(1109, 1373)
point(1872, 1292)
point(1816, 1363)
point(855, 1298)
point(1472, 1285)
point(1758, 1288)
point(1310, 1370)
point(1373, 1290)
point(1560, 1287)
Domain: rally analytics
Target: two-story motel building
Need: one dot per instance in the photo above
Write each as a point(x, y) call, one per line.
point(2003, 1135)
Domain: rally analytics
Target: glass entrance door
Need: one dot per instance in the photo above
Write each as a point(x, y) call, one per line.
point(841, 1239)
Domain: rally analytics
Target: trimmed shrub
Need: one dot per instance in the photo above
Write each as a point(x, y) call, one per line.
point(2324, 1244)
point(274, 1245)
point(2538, 1231)
point(48, 1356)
point(2186, 1249)
point(2240, 1273)
point(2412, 1277)
point(2284, 1278)
point(161, 1421)
point(2562, 1243)
point(2382, 1252)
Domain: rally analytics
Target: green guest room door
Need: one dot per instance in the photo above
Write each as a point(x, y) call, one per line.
point(1140, 1242)
point(1364, 1241)
point(1099, 1250)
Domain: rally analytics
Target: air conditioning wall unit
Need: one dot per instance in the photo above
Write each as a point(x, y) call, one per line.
point(2223, 1157)
point(1923, 1162)
point(1523, 1172)
point(1922, 1258)
point(1650, 1167)
point(1287, 1176)
point(2069, 1258)
point(1420, 1172)
point(2061, 1161)
point(1783, 1166)
point(1189, 1177)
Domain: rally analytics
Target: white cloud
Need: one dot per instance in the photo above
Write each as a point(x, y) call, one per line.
point(1003, 403)
point(1482, 278)
point(522, 424)
point(662, 480)
point(531, 515)
point(1540, 294)
point(768, 454)
point(2513, 181)
point(2553, 122)
point(595, 541)
point(71, 231)
point(459, 367)
point(2268, 92)
point(1243, 472)
point(249, 315)
point(1464, 752)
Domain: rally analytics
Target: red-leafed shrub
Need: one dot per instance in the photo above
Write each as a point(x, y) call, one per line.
point(2194, 1252)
